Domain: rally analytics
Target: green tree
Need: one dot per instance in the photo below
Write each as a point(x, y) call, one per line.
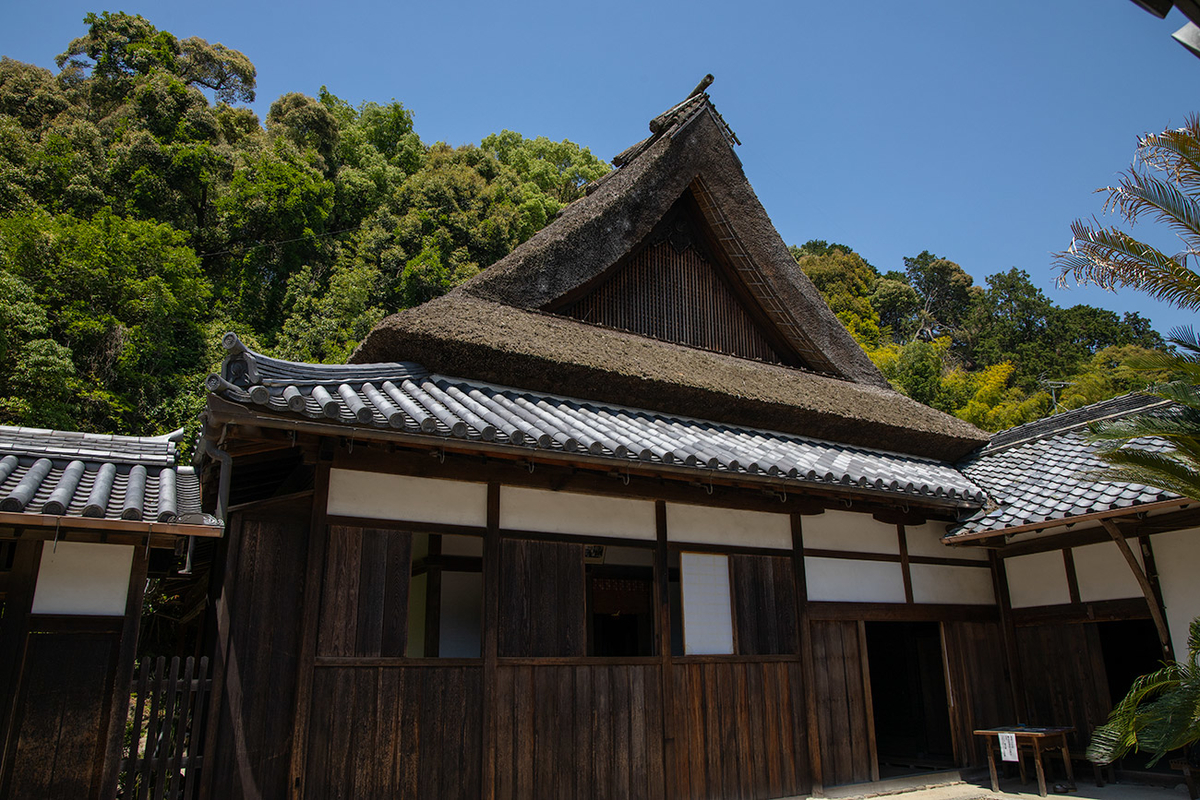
point(846, 282)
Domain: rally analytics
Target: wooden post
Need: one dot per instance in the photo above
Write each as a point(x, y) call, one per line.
point(123, 679)
point(868, 702)
point(1156, 611)
point(806, 661)
point(1072, 576)
point(662, 602)
point(226, 580)
point(904, 568)
point(318, 536)
point(491, 638)
point(1008, 636)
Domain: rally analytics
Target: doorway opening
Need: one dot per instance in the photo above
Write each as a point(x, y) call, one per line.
point(908, 697)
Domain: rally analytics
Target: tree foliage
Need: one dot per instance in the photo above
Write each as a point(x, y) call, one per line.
point(143, 211)
point(995, 355)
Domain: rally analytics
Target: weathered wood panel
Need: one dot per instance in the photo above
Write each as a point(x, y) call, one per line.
point(542, 599)
point(764, 595)
point(679, 297)
point(1065, 681)
point(739, 730)
point(395, 732)
point(591, 730)
point(980, 695)
point(62, 713)
point(842, 708)
point(364, 597)
point(251, 752)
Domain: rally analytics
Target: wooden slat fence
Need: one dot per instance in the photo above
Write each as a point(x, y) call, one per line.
point(165, 730)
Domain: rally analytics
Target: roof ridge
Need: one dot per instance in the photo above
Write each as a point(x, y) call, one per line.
point(1073, 419)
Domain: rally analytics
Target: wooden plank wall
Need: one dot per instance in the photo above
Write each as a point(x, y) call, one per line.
point(579, 731)
point(764, 604)
point(395, 732)
point(251, 753)
point(843, 710)
point(364, 597)
point(542, 599)
point(739, 730)
point(63, 715)
point(1065, 680)
point(979, 691)
point(678, 297)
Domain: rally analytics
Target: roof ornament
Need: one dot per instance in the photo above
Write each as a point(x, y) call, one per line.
point(665, 119)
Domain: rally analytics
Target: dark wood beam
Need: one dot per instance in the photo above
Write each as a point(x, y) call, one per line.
point(1156, 611)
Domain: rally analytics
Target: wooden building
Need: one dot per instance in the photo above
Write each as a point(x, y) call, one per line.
point(80, 515)
point(628, 514)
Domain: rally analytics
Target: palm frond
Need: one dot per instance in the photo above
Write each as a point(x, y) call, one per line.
point(1109, 257)
point(1138, 194)
point(1130, 465)
point(1175, 151)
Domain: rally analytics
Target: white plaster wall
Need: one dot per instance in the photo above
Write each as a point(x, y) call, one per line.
point(848, 530)
point(1037, 579)
point(462, 599)
point(378, 495)
point(728, 526)
point(925, 540)
point(942, 583)
point(707, 612)
point(572, 513)
point(1103, 573)
point(1177, 557)
point(83, 578)
point(845, 580)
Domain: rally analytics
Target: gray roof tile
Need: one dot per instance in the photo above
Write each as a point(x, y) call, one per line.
point(1046, 470)
point(405, 397)
point(94, 475)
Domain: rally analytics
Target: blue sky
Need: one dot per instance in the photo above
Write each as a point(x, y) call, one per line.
point(975, 130)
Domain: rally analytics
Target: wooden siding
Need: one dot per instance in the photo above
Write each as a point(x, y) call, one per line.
point(63, 715)
point(677, 297)
point(764, 604)
point(980, 696)
point(739, 730)
point(542, 599)
point(843, 708)
point(250, 749)
point(1065, 679)
point(579, 731)
point(364, 598)
point(394, 732)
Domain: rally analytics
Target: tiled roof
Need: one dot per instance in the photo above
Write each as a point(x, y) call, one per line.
point(1045, 470)
point(404, 398)
point(95, 475)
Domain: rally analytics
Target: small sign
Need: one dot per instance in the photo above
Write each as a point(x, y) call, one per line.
point(1008, 747)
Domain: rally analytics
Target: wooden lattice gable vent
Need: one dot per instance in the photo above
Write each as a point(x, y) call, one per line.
point(689, 282)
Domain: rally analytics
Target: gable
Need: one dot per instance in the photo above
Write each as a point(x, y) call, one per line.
point(678, 285)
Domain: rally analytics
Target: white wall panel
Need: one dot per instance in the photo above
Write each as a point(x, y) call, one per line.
point(845, 580)
point(707, 611)
point(728, 526)
point(1104, 574)
point(83, 578)
point(943, 583)
point(1038, 579)
point(849, 530)
point(1177, 557)
point(925, 540)
point(580, 514)
point(378, 495)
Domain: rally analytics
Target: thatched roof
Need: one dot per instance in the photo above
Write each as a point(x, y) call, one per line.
point(489, 341)
point(497, 326)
